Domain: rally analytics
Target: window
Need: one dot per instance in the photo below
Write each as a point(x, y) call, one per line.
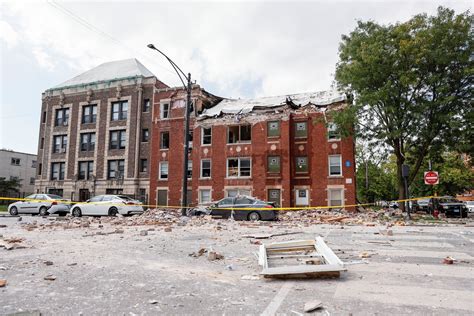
point(190, 169)
point(42, 143)
point(112, 192)
point(206, 136)
point(274, 164)
point(335, 165)
point(40, 168)
point(57, 170)
point(87, 142)
point(146, 105)
point(62, 117)
point(145, 135)
point(15, 161)
point(236, 192)
point(85, 170)
point(89, 114)
point(273, 129)
point(115, 169)
point(33, 164)
point(301, 164)
point(32, 181)
point(119, 110)
point(335, 197)
point(301, 130)
point(164, 110)
point(43, 117)
point(59, 144)
point(163, 170)
point(333, 133)
point(239, 134)
point(205, 168)
point(165, 140)
point(238, 167)
point(204, 196)
point(13, 178)
point(143, 165)
point(117, 139)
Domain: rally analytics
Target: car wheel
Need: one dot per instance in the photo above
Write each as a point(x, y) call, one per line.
point(43, 211)
point(76, 212)
point(113, 211)
point(13, 210)
point(254, 216)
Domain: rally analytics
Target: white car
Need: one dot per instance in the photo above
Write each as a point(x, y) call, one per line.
point(110, 205)
point(42, 204)
point(470, 206)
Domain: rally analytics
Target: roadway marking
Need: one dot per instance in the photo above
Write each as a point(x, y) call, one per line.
point(277, 300)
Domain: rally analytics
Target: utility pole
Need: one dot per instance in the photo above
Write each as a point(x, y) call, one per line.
point(188, 88)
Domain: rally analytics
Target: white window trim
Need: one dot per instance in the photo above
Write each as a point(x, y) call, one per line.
point(329, 166)
point(332, 139)
point(238, 188)
point(199, 195)
point(159, 170)
point(202, 136)
point(239, 142)
point(162, 103)
point(330, 190)
point(238, 166)
point(200, 169)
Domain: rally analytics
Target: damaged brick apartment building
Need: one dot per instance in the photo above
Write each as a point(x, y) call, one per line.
point(282, 149)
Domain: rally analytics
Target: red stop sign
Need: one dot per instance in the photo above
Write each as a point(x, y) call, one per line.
point(431, 177)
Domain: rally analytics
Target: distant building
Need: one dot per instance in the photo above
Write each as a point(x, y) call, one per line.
point(95, 132)
point(21, 166)
point(282, 149)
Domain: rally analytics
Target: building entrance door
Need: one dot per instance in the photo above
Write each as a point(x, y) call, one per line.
point(301, 197)
point(162, 197)
point(84, 195)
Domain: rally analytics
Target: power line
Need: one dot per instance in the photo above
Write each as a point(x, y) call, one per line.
point(98, 31)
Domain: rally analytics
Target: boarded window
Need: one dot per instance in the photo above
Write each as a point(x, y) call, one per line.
point(274, 164)
point(335, 197)
point(301, 164)
point(301, 129)
point(273, 129)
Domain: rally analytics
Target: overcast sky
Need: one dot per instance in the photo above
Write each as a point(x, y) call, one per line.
point(232, 49)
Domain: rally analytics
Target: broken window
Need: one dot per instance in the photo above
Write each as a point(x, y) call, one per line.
point(163, 170)
point(165, 140)
point(238, 167)
point(333, 133)
point(274, 164)
point(164, 110)
point(205, 168)
point(206, 136)
point(301, 130)
point(273, 129)
point(301, 164)
point(335, 165)
point(239, 134)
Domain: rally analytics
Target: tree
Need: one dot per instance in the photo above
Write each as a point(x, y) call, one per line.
point(412, 85)
point(7, 187)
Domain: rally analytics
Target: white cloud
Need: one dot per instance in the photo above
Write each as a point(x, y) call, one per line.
point(43, 59)
point(8, 34)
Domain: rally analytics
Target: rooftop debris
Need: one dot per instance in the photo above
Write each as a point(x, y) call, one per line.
point(299, 259)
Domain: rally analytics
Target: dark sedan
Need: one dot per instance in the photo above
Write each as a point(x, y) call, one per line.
point(243, 208)
point(449, 206)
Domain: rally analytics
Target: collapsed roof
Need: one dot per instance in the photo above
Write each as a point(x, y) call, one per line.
point(243, 106)
point(110, 71)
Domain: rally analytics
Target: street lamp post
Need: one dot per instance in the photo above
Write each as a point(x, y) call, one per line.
point(188, 88)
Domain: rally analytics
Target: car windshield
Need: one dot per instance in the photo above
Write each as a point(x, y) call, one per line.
point(470, 202)
point(54, 197)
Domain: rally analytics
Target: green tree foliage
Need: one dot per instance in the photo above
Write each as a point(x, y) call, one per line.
point(412, 85)
point(8, 187)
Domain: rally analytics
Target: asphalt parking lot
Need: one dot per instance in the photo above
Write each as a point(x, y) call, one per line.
point(107, 269)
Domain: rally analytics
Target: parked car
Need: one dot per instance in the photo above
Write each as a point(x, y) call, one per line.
point(244, 208)
point(448, 205)
point(470, 206)
point(110, 205)
point(42, 204)
point(420, 205)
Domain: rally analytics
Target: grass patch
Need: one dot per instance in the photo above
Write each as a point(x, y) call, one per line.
point(3, 208)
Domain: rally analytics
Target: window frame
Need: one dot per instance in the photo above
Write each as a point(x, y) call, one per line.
point(14, 160)
point(200, 196)
point(62, 146)
point(332, 134)
point(143, 165)
point(189, 171)
point(64, 119)
point(89, 145)
point(61, 171)
point(297, 163)
point(201, 169)
point(300, 134)
point(120, 169)
point(145, 137)
point(121, 139)
point(87, 172)
point(91, 115)
point(239, 140)
point(279, 164)
point(330, 197)
point(162, 110)
point(203, 136)
point(121, 114)
point(340, 166)
point(160, 174)
point(146, 105)
point(239, 167)
point(162, 147)
point(277, 133)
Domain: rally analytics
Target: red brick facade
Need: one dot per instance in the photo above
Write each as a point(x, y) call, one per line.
point(287, 146)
